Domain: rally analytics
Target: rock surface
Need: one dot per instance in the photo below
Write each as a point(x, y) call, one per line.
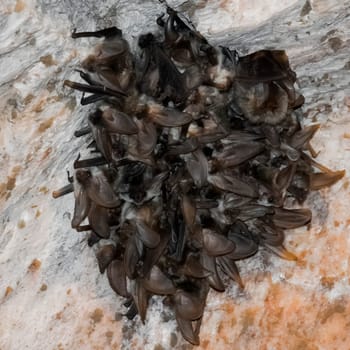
point(51, 293)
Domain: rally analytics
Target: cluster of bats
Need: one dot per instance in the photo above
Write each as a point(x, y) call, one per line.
point(197, 150)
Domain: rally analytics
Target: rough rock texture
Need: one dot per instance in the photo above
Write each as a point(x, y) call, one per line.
point(51, 293)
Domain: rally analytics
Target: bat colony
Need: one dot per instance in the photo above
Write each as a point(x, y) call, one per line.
point(196, 151)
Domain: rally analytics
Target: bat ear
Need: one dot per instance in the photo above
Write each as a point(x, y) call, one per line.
point(282, 252)
point(270, 235)
point(229, 267)
point(245, 246)
point(187, 331)
point(284, 178)
point(238, 153)
point(101, 192)
point(302, 137)
point(81, 206)
point(105, 255)
point(146, 138)
point(188, 211)
point(158, 282)
point(149, 237)
point(197, 166)
point(209, 263)
point(216, 244)
point(151, 256)
point(188, 146)
point(117, 278)
point(131, 257)
point(98, 220)
point(141, 300)
point(118, 122)
point(188, 306)
point(291, 218)
point(234, 185)
point(168, 117)
point(321, 180)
